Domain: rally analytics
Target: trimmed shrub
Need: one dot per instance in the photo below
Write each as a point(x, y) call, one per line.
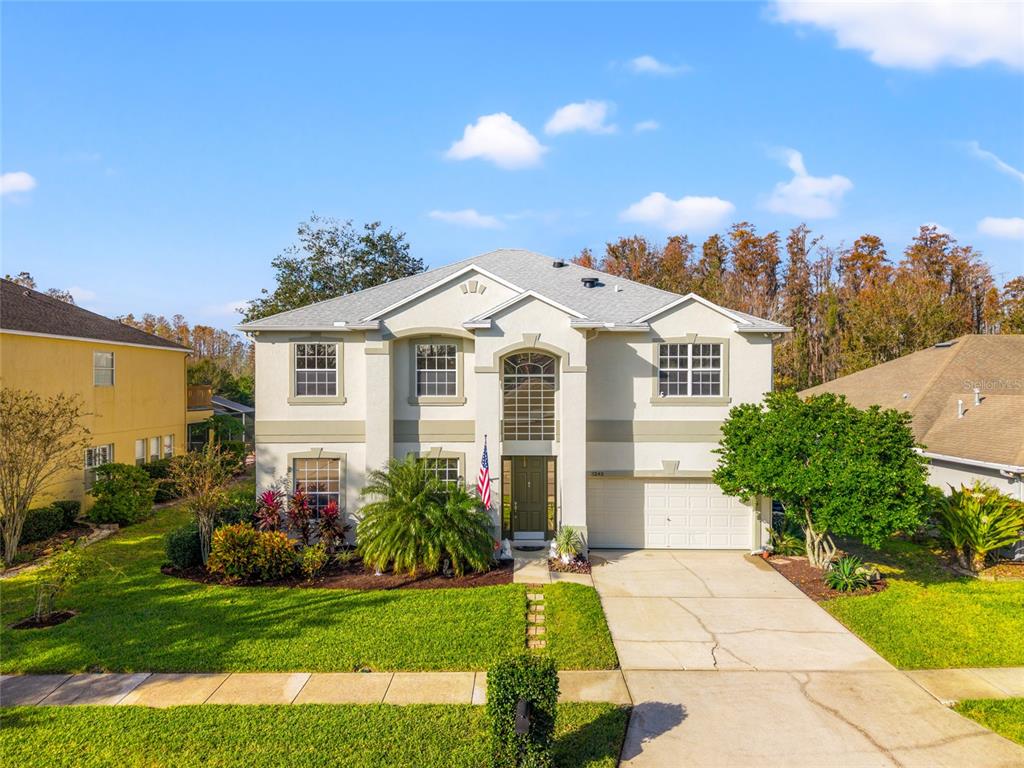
point(41, 523)
point(533, 679)
point(241, 553)
point(159, 472)
point(240, 507)
point(70, 509)
point(124, 494)
point(182, 546)
point(313, 559)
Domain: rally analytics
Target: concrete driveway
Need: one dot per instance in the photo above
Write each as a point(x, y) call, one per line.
point(728, 664)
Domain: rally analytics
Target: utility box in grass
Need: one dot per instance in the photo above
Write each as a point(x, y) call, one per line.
point(522, 701)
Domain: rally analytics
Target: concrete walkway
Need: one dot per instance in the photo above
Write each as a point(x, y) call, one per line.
point(952, 685)
point(166, 690)
point(728, 664)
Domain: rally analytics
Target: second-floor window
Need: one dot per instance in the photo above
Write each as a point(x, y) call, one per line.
point(436, 370)
point(103, 369)
point(689, 370)
point(316, 370)
point(528, 397)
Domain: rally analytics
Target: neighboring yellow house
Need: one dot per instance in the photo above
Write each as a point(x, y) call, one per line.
point(132, 383)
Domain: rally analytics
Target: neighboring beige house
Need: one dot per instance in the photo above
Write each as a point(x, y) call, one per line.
point(600, 399)
point(966, 397)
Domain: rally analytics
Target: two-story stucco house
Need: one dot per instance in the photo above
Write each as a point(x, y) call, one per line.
point(600, 399)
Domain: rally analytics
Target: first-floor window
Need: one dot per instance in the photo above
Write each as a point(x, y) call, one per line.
point(320, 480)
point(689, 370)
point(95, 457)
point(140, 451)
point(154, 448)
point(168, 446)
point(445, 469)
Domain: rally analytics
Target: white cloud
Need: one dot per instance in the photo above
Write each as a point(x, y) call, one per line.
point(994, 160)
point(227, 308)
point(468, 217)
point(16, 181)
point(648, 65)
point(646, 125)
point(686, 213)
point(1009, 229)
point(586, 116)
point(918, 35)
point(810, 197)
point(938, 227)
point(501, 140)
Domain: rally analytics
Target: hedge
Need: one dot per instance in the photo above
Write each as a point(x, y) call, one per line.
point(534, 679)
point(44, 522)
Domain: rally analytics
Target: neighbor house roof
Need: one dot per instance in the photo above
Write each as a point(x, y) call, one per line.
point(929, 383)
point(615, 301)
point(231, 405)
point(23, 310)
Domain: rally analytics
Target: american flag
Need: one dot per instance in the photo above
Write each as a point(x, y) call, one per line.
point(483, 481)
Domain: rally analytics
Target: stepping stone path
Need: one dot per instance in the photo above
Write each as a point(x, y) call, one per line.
point(535, 618)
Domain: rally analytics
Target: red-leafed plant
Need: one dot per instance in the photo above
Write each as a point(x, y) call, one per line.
point(300, 516)
point(268, 515)
point(332, 526)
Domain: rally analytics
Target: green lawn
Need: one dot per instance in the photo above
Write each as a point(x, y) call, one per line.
point(578, 635)
point(215, 736)
point(1004, 716)
point(134, 618)
point(929, 618)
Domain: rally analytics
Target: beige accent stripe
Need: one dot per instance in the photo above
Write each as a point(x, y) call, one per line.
point(626, 431)
point(293, 431)
point(700, 474)
point(413, 431)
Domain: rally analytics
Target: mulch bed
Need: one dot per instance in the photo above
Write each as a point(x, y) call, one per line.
point(36, 549)
point(574, 566)
point(811, 581)
point(55, 618)
point(1008, 570)
point(355, 576)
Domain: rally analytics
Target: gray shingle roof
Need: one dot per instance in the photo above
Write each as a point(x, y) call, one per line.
point(525, 270)
point(28, 311)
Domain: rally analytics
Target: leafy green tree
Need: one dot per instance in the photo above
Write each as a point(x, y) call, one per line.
point(202, 478)
point(834, 468)
point(414, 522)
point(332, 259)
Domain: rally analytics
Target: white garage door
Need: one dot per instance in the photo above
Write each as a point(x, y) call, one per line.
point(665, 514)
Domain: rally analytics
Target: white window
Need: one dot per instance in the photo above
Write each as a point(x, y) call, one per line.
point(96, 457)
point(154, 448)
point(316, 370)
point(528, 397)
point(168, 446)
point(445, 469)
point(103, 369)
point(436, 370)
point(319, 479)
point(689, 370)
point(140, 451)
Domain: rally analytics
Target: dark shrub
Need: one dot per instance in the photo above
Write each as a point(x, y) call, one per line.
point(236, 449)
point(70, 509)
point(41, 523)
point(160, 472)
point(241, 506)
point(534, 679)
point(182, 546)
point(124, 494)
point(241, 553)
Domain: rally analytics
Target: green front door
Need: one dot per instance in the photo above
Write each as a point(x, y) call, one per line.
point(529, 495)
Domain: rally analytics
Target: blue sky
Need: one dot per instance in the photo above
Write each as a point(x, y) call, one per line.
point(156, 157)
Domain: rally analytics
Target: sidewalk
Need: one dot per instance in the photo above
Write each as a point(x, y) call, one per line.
point(952, 685)
point(166, 690)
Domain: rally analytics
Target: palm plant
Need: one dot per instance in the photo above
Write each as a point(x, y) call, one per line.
point(568, 543)
point(847, 574)
point(979, 520)
point(414, 522)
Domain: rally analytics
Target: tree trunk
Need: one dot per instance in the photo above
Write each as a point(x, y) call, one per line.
point(205, 535)
point(977, 560)
point(820, 547)
point(11, 529)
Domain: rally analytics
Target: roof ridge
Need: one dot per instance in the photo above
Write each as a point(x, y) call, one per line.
point(957, 348)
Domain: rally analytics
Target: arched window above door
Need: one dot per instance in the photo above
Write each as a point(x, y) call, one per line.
point(528, 396)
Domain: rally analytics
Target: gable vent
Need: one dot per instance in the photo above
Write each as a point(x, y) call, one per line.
point(589, 282)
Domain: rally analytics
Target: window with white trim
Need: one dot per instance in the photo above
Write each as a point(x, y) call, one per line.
point(528, 397)
point(689, 370)
point(316, 370)
point(154, 448)
point(95, 457)
point(168, 446)
point(319, 479)
point(437, 370)
point(445, 469)
point(103, 369)
point(140, 451)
